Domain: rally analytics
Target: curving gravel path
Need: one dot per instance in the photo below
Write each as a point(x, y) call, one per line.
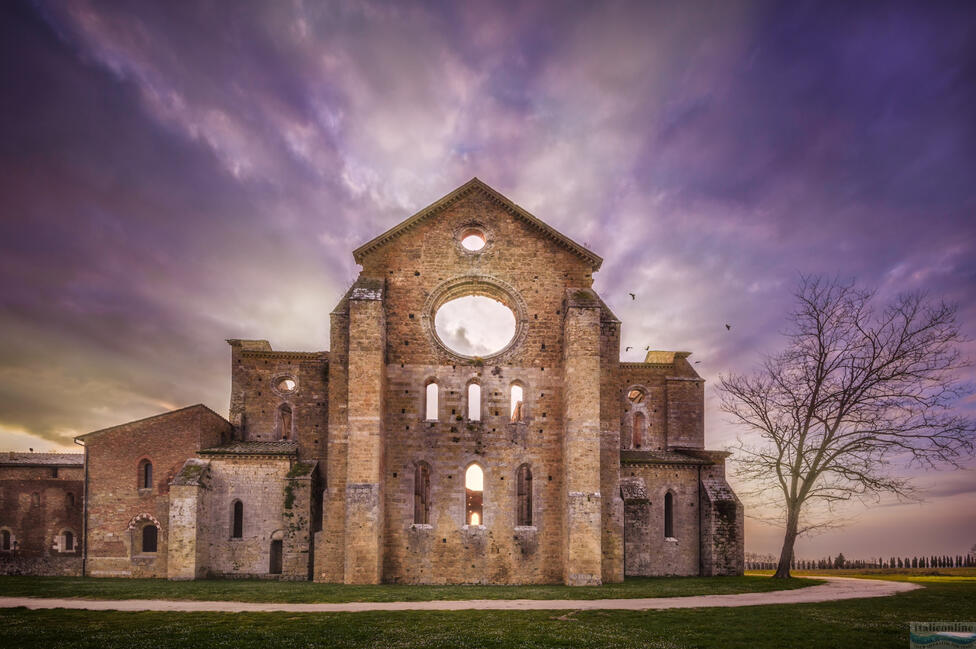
point(836, 588)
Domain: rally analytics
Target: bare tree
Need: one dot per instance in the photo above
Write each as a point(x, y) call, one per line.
point(857, 391)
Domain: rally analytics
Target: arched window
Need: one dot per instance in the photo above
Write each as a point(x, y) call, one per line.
point(145, 474)
point(4, 539)
point(640, 423)
point(421, 494)
point(668, 515)
point(431, 400)
point(284, 421)
point(474, 488)
point(70, 499)
point(474, 402)
point(237, 525)
point(67, 541)
point(517, 403)
point(523, 493)
point(150, 537)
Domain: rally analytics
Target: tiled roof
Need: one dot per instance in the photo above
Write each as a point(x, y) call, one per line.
point(661, 457)
point(254, 448)
point(43, 459)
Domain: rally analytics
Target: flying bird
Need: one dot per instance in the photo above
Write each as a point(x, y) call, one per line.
point(728, 326)
point(628, 349)
point(697, 362)
point(31, 450)
point(632, 296)
point(647, 349)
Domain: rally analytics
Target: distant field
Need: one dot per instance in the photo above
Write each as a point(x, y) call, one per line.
point(877, 623)
point(252, 590)
point(921, 575)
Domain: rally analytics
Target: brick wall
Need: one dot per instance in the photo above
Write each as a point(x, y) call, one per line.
point(118, 507)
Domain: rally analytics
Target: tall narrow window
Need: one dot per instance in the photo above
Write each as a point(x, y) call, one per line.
point(35, 499)
point(640, 423)
point(150, 537)
point(70, 499)
point(432, 401)
point(523, 493)
point(421, 494)
point(4, 539)
point(284, 421)
point(668, 515)
point(145, 474)
point(237, 529)
point(274, 563)
point(517, 404)
point(474, 402)
point(68, 542)
point(474, 488)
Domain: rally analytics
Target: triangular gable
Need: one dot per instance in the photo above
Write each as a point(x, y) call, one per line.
point(477, 185)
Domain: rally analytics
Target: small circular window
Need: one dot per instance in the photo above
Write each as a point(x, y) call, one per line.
point(286, 384)
point(475, 325)
point(473, 239)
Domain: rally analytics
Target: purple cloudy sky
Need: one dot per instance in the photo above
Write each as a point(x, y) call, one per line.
point(178, 173)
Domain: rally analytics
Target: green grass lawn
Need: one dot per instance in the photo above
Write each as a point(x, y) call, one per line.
point(252, 590)
point(868, 623)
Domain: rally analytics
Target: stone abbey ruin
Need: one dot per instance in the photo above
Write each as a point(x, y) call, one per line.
point(406, 453)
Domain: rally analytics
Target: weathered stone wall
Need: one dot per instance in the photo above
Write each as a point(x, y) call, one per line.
point(674, 406)
point(447, 551)
point(610, 432)
point(722, 525)
point(37, 505)
point(647, 551)
point(256, 397)
point(118, 506)
point(275, 507)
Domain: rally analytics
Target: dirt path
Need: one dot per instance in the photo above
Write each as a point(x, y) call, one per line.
point(836, 588)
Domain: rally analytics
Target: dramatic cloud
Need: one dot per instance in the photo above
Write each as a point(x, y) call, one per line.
point(175, 174)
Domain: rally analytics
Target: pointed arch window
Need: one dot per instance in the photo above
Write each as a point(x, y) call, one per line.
point(237, 524)
point(431, 401)
point(4, 539)
point(421, 494)
point(517, 403)
point(640, 425)
point(474, 402)
point(474, 489)
point(284, 421)
point(668, 515)
point(523, 494)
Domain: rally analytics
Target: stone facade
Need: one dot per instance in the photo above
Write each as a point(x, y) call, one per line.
point(41, 502)
point(333, 466)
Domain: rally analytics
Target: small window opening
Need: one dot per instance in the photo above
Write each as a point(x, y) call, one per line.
point(145, 475)
point(432, 392)
point(284, 421)
point(668, 516)
point(421, 494)
point(640, 423)
point(474, 402)
point(517, 404)
point(473, 240)
point(150, 537)
point(4, 539)
point(70, 499)
point(237, 530)
point(524, 494)
point(68, 542)
point(474, 486)
point(636, 395)
point(35, 499)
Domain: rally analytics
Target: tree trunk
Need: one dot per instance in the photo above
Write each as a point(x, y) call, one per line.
point(786, 554)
